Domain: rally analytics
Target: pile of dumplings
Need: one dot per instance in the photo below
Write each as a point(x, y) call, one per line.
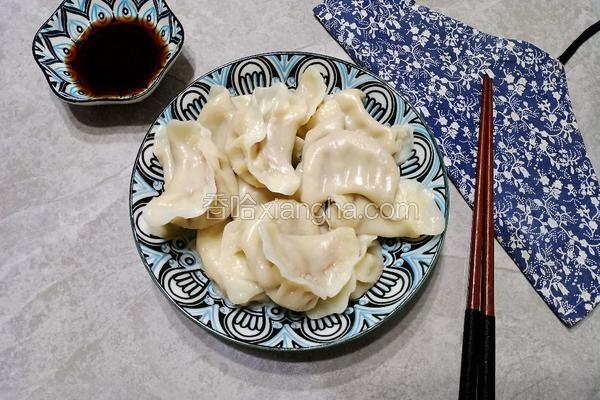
point(264, 178)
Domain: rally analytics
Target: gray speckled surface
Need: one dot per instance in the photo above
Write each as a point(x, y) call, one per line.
point(80, 318)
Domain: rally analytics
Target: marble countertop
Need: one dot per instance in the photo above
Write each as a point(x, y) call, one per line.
point(80, 318)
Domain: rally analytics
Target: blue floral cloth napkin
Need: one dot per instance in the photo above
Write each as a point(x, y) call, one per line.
point(547, 194)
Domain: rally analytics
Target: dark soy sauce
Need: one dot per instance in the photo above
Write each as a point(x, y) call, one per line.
point(119, 58)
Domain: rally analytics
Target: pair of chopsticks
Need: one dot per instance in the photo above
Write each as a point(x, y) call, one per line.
point(477, 380)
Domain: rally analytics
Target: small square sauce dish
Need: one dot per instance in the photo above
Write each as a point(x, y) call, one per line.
point(107, 51)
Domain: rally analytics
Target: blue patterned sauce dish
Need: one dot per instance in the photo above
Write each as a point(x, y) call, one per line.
point(103, 52)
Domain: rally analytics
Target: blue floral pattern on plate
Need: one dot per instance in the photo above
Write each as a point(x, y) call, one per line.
point(547, 195)
point(176, 268)
point(53, 41)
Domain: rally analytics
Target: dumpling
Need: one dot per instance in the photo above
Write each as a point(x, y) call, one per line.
point(369, 267)
point(266, 132)
point(288, 272)
point(241, 101)
point(358, 119)
point(365, 273)
point(227, 266)
point(329, 116)
point(396, 139)
point(243, 234)
point(249, 199)
point(405, 142)
point(217, 116)
point(248, 129)
point(295, 257)
point(333, 305)
point(289, 215)
point(412, 214)
point(342, 162)
point(223, 200)
point(310, 92)
point(162, 151)
point(188, 175)
point(195, 174)
point(415, 214)
point(168, 231)
point(345, 110)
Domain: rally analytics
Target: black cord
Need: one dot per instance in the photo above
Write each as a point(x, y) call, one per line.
point(588, 33)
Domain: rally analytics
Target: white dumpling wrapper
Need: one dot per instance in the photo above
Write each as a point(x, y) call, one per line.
point(333, 305)
point(195, 171)
point(413, 213)
point(328, 116)
point(358, 119)
point(223, 200)
point(243, 234)
point(249, 198)
point(289, 215)
point(397, 139)
point(227, 266)
point(405, 142)
point(266, 132)
point(369, 267)
point(217, 115)
point(345, 110)
point(341, 162)
point(322, 263)
point(248, 129)
point(365, 273)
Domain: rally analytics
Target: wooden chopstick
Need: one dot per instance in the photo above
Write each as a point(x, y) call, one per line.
point(486, 379)
point(472, 377)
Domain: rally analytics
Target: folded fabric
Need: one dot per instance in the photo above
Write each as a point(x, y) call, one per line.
point(547, 196)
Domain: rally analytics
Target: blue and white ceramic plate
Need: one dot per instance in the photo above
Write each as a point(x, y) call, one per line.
point(53, 42)
point(176, 268)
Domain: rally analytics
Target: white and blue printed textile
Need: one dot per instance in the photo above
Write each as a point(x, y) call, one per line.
point(547, 195)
